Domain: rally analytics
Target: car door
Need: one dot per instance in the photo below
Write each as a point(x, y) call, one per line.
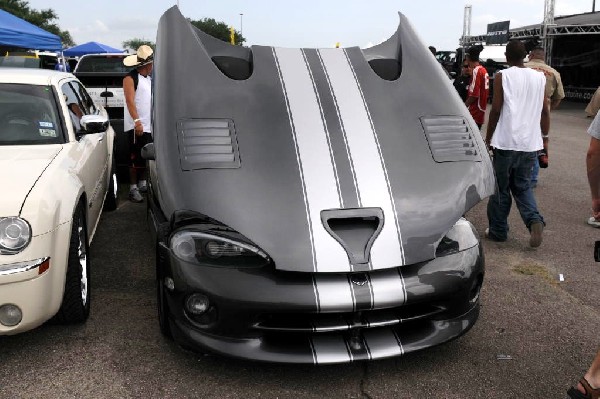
point(91, 150)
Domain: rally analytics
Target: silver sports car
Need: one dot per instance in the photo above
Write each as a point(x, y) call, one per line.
point(307, 204)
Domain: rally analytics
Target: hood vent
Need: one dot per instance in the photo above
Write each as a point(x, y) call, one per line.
point(355, 229)
point(450, 139)
point(207, 143)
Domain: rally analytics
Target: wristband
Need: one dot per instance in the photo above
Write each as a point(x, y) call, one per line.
point(137, 120)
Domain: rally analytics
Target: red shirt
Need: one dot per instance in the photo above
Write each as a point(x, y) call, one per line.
point(480, 88)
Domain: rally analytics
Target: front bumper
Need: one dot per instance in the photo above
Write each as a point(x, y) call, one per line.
point(35, 288)
point(269, 315)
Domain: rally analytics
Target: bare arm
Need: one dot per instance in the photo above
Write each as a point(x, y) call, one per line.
point(545, 117)
point(497, 103)
point(129, 91)
point(470, 100)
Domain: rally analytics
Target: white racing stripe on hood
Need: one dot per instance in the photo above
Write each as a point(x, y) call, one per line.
point(314, 157)
point(371, 174)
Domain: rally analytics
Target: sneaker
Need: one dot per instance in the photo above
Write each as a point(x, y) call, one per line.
point(491, 236)
point(135, 196)
point(536, 229)
point(143, 188)
point(592, 221)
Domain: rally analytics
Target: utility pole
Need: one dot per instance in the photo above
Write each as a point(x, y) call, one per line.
point(241, 24)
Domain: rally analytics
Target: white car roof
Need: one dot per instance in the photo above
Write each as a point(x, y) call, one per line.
point(32, 76)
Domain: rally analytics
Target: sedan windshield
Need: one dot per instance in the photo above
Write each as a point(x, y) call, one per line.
point(28, 115)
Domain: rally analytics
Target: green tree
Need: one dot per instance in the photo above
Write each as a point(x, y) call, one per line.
point(220, 30)
point(134, 43)
point(43, 18)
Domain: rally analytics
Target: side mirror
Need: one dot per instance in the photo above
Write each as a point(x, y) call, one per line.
point(93, 124)
point(148, 152)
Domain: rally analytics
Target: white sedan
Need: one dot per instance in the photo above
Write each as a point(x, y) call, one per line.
point(56, 154)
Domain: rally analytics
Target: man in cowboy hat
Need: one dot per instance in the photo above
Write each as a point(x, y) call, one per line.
point(137, 87)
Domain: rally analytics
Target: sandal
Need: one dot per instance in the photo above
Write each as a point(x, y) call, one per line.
point(590, 393)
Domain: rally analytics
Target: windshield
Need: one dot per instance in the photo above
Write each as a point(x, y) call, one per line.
point(18, 61)
point(102, 63)
point(28, 115)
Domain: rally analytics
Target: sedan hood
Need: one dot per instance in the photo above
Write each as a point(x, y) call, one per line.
point(21, 167)
point(330, 160)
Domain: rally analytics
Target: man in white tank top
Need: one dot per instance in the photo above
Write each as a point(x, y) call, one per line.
point(137, 87)
point(519, 117)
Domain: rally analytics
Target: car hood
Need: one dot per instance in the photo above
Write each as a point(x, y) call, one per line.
point(22, 166)
point(329, 160)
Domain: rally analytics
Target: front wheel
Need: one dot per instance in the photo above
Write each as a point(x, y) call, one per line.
point(75, 307)
point(111, 201)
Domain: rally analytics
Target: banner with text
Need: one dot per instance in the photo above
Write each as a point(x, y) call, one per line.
point(497, 33)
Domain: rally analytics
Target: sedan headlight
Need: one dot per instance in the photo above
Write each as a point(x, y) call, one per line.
point(461, 236)
point(15, 235)
point(214, 250)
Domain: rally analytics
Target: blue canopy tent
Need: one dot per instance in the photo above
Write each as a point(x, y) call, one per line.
point(90, 48)
point(16, 32)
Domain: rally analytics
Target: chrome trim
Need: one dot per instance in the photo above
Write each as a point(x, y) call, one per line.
point(21, 267)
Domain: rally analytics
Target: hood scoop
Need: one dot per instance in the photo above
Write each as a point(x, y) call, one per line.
point(355, 229)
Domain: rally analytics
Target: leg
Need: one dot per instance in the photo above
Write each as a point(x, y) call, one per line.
point(589, 385)
point(132, 155)
point(534, 173)
point(141, 166)
point(134, 192)
point(521, 188)
point(593, 173)
point(499, 204)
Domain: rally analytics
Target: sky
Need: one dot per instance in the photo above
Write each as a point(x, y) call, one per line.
point(301, 23)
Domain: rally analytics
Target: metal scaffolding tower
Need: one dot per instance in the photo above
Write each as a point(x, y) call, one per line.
point(546, 26)
point(466, 24)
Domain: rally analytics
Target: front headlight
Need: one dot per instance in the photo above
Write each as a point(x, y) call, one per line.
point(215, 250)
point(15, 235)
point(461, 236)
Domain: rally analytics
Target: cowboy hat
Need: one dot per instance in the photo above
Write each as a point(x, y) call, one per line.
point(143, 56)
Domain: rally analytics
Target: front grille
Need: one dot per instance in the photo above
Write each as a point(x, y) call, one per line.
point(331, 322)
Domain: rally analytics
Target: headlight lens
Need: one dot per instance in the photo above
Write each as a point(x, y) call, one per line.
point(461, 236)
point(213, 250)
point(15, 235)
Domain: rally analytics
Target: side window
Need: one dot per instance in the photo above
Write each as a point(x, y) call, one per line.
point(86, 100)
point(76, 109)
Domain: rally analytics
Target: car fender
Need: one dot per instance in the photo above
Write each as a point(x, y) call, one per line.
point(54, 197)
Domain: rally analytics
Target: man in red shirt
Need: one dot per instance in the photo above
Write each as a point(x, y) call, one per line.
point(479, 88)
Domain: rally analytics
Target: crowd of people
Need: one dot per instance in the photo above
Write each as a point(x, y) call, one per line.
point(517, 136)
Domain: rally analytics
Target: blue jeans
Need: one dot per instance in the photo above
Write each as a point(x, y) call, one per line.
point(513, 175)
point(534, 172)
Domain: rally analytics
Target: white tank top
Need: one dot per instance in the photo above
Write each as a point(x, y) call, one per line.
point(518, 128)
point(143, 104)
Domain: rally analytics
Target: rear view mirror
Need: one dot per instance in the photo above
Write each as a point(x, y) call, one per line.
point(94, 123)
point(148, 152)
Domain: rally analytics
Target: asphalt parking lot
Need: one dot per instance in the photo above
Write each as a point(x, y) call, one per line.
point(535, 337)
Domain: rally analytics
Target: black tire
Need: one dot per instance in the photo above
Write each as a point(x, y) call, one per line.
point(75, 307)
point(163, 309)
point(161, 301)
point(111, 201)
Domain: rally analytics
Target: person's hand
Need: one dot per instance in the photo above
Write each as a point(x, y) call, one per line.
point(138, 129)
